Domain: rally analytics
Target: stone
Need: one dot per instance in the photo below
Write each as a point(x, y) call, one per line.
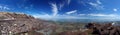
point(104, 29)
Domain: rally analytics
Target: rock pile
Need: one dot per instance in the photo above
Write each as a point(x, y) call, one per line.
point(103, 29)
point(95, 29)
point(12, 23)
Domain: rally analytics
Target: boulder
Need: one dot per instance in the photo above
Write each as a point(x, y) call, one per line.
point(103, 29)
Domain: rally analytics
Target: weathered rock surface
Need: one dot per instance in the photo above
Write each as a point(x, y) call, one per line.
point(95, 29)
point(12, 23)
point(104, 29)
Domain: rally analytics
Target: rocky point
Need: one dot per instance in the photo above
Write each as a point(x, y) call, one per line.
point(12, 23)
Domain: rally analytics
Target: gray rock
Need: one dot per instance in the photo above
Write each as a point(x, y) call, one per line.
point(12, 23)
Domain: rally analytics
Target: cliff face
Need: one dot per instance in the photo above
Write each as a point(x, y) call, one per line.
point(18, 23)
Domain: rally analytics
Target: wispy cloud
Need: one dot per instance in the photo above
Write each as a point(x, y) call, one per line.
point(103, 15)
point(98, 1)
point(54, 9)
point(98, 5)
point(93, 4)
point(70, 12)
point(115, 10)
point(68, 1)
point(4, 7)
point(82, 16)
point(61, 5)
point(42, 16)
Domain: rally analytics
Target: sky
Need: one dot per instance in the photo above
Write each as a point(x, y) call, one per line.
point(78, 9)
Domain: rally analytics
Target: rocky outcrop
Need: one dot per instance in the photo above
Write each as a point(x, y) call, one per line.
point(12, 15)
point(95, 29)
point(104, 29)
point(12, 23)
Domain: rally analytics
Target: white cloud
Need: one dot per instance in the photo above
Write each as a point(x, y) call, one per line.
point(4, 7)
point(61, 5)
point(98, 5)
point(54, 9)
point(1, 6)
point(68, 1)
point(44, 16)
point(93, 4)
point(83, 16)
point(70, 12)
point(115, 10)
point(103, 15)
point(98, 1)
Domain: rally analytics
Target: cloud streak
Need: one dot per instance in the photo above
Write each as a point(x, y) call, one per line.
point(70, 12)
point(115, 10)
point(4, 7)
point(98, 1)
point(103, 15)
point(81, 16)
point(98, 5)
point(54, 9)
point(61, 5)
point(42, 16)
point(68, 1)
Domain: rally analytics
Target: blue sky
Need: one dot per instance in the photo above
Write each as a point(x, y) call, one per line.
point(82, 9)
